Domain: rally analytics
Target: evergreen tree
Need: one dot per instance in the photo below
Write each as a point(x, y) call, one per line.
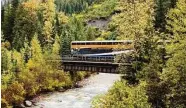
point(174, 76)
point(90, 33)
point(56, 46)
point(77, 29)
point(133, 19)
point(8, 19)
point(36, 52)
point(162, 7)
point(47, 12)
point(176, 24)
point(25, 24)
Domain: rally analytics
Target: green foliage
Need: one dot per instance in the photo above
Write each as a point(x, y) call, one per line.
point(162, 7)
point(81, 75)
point(61, 22)
point(123, 96)
point(14, 93)
point(4, 58)
point(72, 6)
point(90, 33)
point(56, 46)
point(77, 29)
point(174, 76)
point(25, 24)
point(36, 52)
point(38, 33)
point(96, 11)
point(47, 15)
point(8, 17)
point(29, 80)
point(176, 20)
point(65, 41)
point(132, 20)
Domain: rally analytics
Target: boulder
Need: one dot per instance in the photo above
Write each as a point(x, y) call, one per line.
point(77, 85)
point(28, 103)
point(61, 89)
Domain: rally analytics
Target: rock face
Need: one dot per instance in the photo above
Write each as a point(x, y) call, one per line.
point(99, 23)
point(28, 103)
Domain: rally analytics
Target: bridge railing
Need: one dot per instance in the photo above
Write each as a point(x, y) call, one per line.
point(90, 58)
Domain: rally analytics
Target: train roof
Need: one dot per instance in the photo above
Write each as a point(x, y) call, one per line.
point(102, 41)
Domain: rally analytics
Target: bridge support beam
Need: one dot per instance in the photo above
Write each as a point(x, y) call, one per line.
point(104, 68)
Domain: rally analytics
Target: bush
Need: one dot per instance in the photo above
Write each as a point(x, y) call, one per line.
point(123, 96)
point(14, 94)
point(29, 80)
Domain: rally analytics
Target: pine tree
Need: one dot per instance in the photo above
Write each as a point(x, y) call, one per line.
point(25, 24)
point(8, 19)
point(133, 19)
point(36, 50)
point(162, 7)
point(56, 46)
point(176, 21)
point(174, 76)
point(47, 11)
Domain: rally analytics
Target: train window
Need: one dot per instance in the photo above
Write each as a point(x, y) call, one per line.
point(104, 43)
point(88, 43)
point(73, 43)
point(121, 43)
point(98, 43)
point(94, 43)
point(109, 43)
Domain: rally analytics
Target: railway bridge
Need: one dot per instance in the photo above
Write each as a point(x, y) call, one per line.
point(98, 56)
point(104, 62)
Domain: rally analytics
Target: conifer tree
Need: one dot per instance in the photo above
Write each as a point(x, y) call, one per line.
point(162, 7)
point(176, 21)
point(36, 52)
point(25, 24)
point(47, 11)
point(8, 19)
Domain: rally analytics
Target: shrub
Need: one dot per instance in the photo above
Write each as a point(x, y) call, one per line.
point(14, 94)
point(29, 80)
point(123, 96)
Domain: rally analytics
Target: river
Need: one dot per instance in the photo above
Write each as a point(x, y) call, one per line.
point(78, 97)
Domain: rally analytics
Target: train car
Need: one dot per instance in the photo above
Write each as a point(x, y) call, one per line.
point(111, 44)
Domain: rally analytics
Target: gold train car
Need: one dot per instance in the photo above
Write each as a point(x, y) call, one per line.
point(111, 44)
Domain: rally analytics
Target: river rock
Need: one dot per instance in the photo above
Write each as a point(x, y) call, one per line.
point(28, 103)
point(77, 85)
point(61, 89)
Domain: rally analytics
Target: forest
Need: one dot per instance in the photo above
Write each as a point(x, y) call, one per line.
point(34, 31)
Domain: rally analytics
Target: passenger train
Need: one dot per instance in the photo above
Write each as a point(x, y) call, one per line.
point(94, 47)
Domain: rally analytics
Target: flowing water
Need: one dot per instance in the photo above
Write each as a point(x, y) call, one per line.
point(79, 97)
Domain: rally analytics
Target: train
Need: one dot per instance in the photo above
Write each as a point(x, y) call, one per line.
point(95, 47)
